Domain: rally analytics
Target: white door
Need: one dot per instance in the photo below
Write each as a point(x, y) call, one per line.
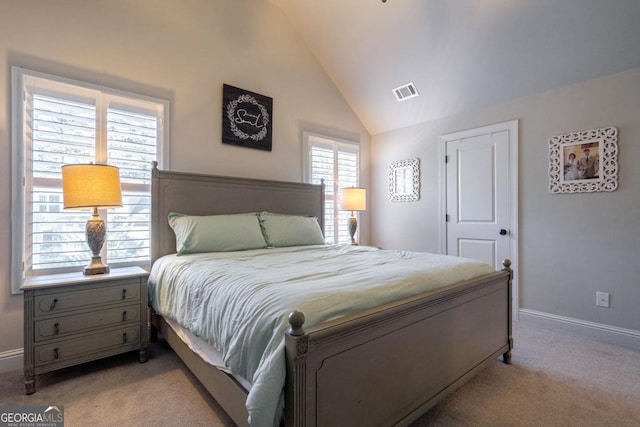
point(480, 193)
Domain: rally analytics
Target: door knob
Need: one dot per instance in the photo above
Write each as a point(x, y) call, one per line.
point(503, 232)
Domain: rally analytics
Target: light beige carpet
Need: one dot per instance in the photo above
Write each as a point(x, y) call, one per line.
point(556, 379)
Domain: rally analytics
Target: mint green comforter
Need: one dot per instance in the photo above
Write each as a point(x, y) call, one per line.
point(239, 301)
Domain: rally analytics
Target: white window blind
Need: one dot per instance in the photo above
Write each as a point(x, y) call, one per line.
point(57, 122)
point(58, 131)
point(337, 162)
point(132, 143)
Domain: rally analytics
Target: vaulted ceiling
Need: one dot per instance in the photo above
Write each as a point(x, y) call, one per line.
point(461, 54)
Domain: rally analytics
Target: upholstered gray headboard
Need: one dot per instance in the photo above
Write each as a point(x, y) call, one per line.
point(196, 194)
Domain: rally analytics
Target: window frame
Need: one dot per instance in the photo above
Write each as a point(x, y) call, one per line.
point(335, 143)
point(19, 150)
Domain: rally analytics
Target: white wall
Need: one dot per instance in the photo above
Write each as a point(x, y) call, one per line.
point(571, 245)
point(182, 51)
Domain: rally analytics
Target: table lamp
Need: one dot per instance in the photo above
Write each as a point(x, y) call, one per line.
point(86, 187)
point(353, 199)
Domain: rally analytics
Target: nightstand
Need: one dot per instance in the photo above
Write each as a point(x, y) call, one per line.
point(72, 318)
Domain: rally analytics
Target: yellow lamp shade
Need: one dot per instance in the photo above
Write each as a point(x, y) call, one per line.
point(353, 199)
point(91, 186)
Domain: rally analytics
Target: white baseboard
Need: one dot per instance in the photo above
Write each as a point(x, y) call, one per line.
point(611, 334)
point(11, 360)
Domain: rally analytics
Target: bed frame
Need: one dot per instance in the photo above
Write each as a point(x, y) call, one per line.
point(383, 366)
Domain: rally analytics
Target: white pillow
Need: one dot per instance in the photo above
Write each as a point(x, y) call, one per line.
point(290, 230)
point(216, 233)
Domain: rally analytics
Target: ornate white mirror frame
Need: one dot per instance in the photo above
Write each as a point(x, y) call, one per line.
point(585, 161)
point(404, 180)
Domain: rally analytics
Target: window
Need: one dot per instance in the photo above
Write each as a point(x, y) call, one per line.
point(338, 163)
point(56, 122)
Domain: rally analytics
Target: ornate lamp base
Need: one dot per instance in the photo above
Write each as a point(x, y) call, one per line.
point(96, 232)
point(353, 226)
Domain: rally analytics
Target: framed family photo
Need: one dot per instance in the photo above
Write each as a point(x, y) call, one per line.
point(585, 161)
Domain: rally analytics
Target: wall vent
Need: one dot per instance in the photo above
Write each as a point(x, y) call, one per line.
point(405, 92)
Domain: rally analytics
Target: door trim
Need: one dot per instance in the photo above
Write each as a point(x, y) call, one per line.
point(512, 128)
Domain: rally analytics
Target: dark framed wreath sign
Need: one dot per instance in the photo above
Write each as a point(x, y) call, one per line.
point(246, 118)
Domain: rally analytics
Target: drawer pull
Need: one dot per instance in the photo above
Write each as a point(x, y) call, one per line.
point(124, 316)
point(124, 293)
point(55, 353)
point(56, 328)
point(124, 338)
point(53, 304)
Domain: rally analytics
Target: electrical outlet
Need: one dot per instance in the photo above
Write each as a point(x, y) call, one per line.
point(602, 299)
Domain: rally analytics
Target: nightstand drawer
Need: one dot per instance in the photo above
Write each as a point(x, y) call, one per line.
point(65, 301)
point(86, 345)
point(64, 325)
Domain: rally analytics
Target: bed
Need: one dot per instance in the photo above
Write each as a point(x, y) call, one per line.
point(383, 365)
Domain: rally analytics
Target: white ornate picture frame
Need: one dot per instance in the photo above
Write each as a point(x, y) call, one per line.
point(582, 162)
point(404, 180)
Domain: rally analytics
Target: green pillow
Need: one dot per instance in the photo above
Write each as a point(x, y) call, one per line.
point(216, 233)
point(290, 230)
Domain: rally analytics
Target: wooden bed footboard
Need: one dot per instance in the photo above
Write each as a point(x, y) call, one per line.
point(390, 365)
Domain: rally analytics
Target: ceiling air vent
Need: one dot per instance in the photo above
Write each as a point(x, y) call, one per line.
point(405, 92)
